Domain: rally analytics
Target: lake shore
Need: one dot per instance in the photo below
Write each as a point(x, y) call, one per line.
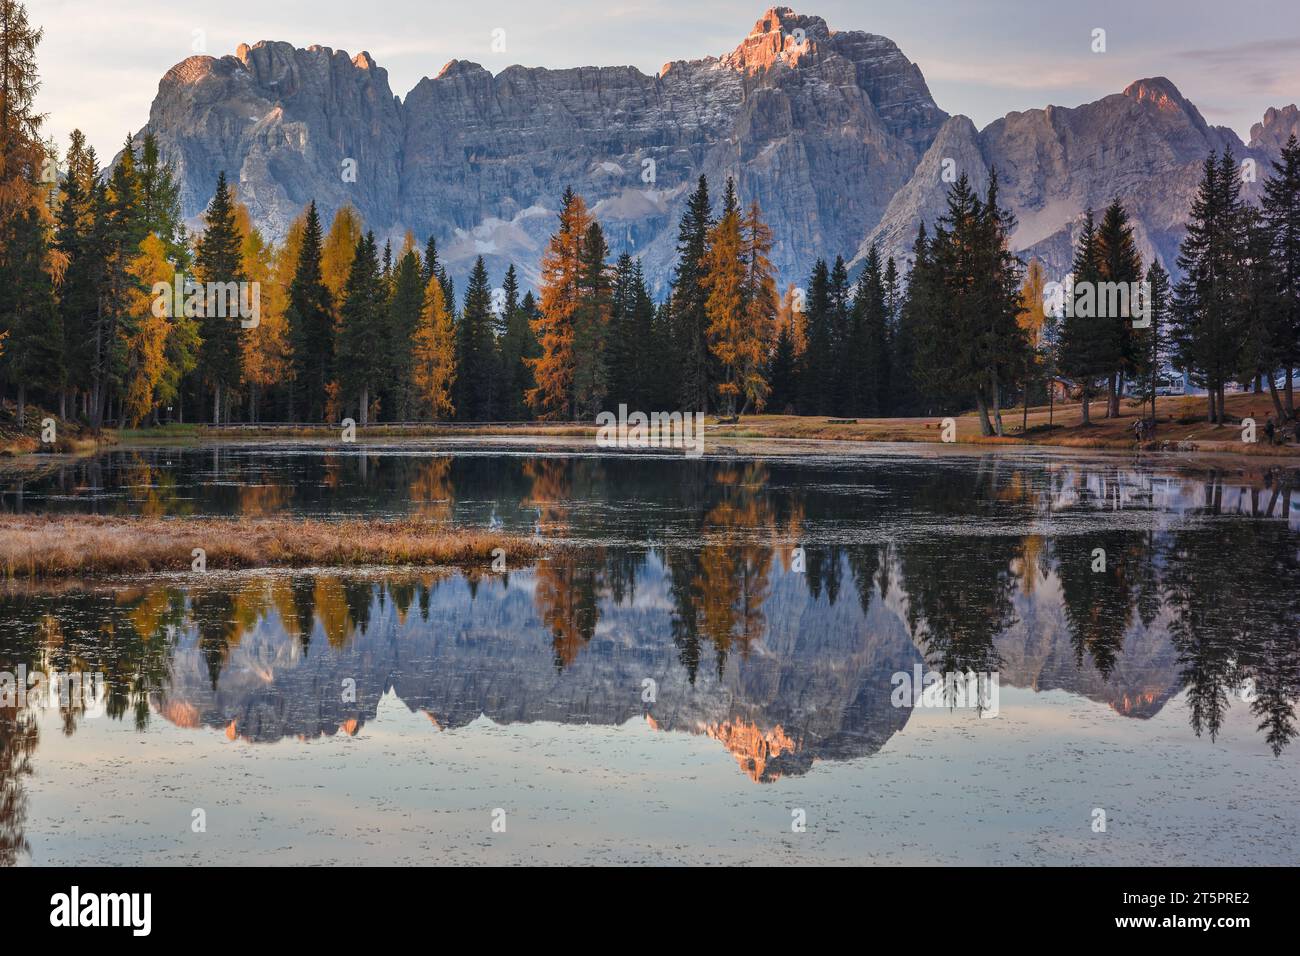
point(1181, 431)
point(47, 546)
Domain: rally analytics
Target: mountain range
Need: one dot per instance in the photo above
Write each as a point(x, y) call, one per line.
point(835, 133)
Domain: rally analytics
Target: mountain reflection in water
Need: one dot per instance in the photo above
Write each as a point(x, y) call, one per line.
point(681, 600)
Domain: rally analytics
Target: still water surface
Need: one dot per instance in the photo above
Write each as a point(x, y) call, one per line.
point(679, 683)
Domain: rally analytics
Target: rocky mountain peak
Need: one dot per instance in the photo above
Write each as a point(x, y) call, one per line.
point(1278, 126)
point(1158, 90)
point(779, 36)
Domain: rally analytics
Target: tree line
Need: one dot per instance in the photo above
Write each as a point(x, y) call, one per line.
point(347, 328)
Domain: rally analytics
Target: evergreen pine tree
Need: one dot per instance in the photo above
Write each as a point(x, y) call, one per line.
point(1120, 263)
point(310, 313)
point(361, 364)
point(218, 260)
point(591, 324)
point(1281, 209)
point(689, 319)
point(475, 350)
point(404, 311)
point(1206, 323)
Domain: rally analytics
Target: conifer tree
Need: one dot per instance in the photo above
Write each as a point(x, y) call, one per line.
point(781, 374)
point(518, 348)
point(628, 354)
point(218, 260)
point(690, 321)
point(74, 237)
point(311, 321)
point(1206, 323)
point(146, 347)
point(591, 324)
point(433, 355)
point(724, 305)
point(816, 371)
point(921, 349)
point(561, 296)
point(1281, 210)
point(868, 351)
point(160, 202)
point(760, 305)
point(1085, 352)
point(361, 365)
point(1120, 263)
point(1152, 343)
point(115, 243)
point(475, 350)
point(29, 317)
point(404, 315)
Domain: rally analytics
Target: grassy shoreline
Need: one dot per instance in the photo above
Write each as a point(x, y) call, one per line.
point(55, 546)
point(1181, 430)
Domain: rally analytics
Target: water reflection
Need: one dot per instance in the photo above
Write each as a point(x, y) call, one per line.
point(769, 603)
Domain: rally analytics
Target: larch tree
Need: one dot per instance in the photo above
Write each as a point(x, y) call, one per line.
point(561, 296)
point(433, 354)
point(760, 303)
point(724, 275)
point(146, 347)
point(1032, 320)
point(264, 347)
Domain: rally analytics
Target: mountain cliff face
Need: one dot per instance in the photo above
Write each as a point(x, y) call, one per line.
point(1144, 146)
point(820, 127)
point(834, 133)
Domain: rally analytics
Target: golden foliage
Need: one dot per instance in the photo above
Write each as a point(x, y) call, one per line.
point(553, 326)
point(433, 354)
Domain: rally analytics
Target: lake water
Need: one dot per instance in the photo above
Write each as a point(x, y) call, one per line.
point(711, 669)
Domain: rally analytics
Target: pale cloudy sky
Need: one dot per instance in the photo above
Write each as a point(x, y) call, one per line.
point(101, 59)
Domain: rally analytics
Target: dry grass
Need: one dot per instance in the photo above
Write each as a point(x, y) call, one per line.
point(1181, 424)
point(57, 546)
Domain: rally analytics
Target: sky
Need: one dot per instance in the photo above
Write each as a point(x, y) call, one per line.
point(101, 60)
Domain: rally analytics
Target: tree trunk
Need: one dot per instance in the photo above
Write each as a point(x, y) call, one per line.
point(1277, 398)
point(1209, 393)
point(985, 428)
point(997, 405)
point(22, 405)
point(63, 403)
point(364, 415)
point(1085, 404)
point(1110, 395)
point(1290, 391)
point(216, 404)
